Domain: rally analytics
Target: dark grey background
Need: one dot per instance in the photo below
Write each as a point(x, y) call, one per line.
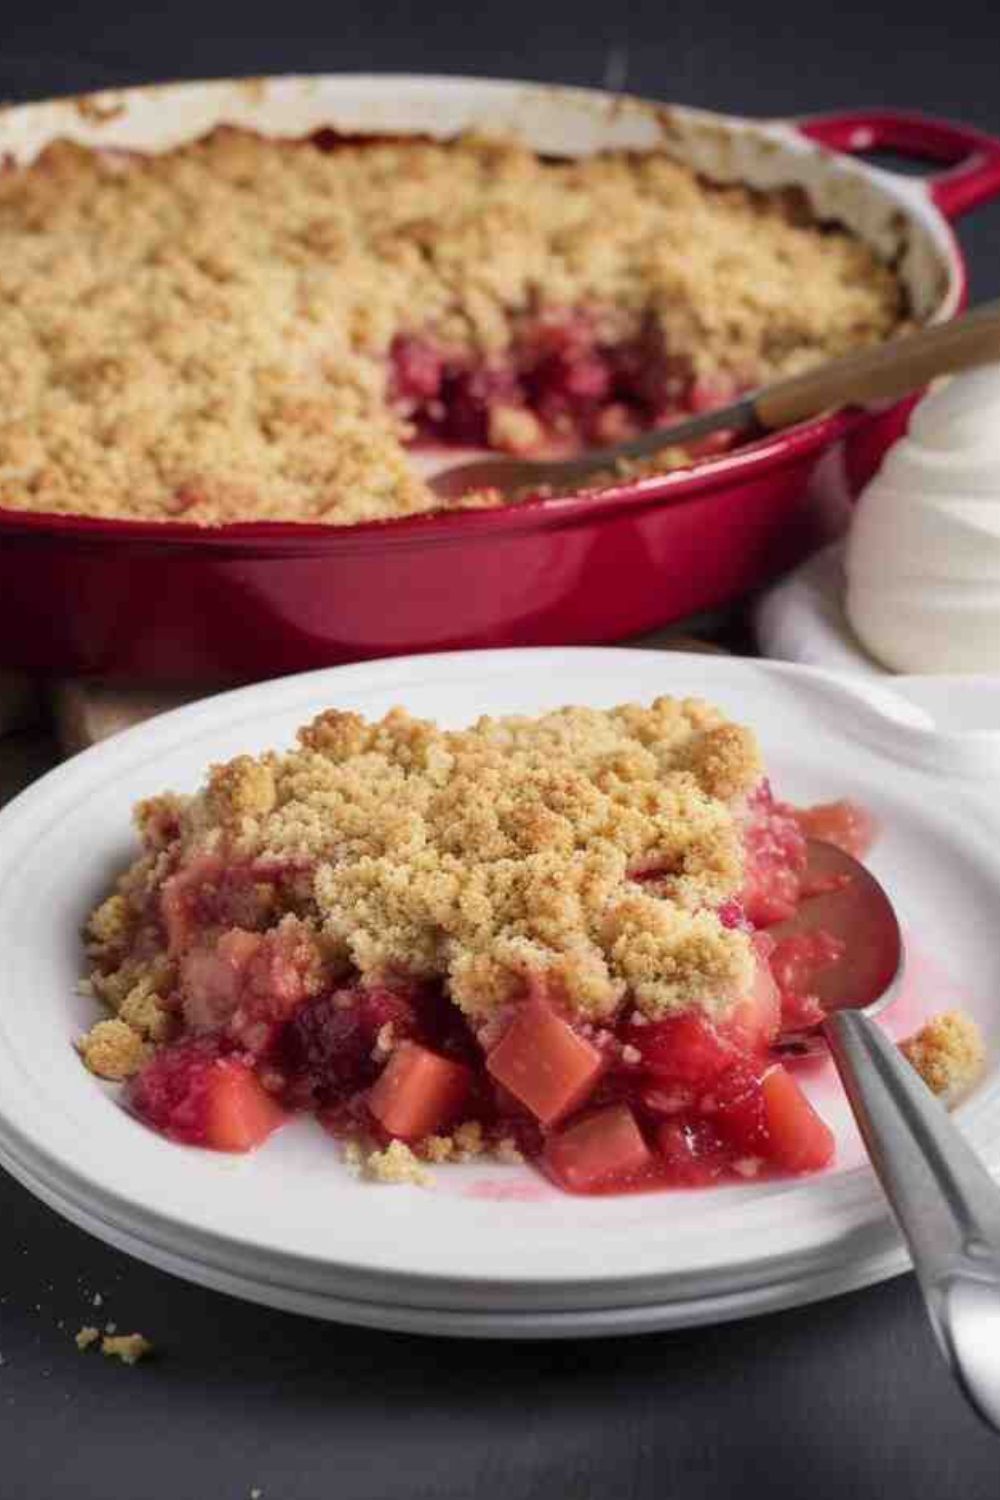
point(845, 1399)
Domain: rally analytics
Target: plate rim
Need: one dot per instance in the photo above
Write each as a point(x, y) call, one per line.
point(386, 1314)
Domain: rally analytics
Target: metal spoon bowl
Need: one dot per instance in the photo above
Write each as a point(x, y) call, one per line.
point(945, 1202)
point(849, 904)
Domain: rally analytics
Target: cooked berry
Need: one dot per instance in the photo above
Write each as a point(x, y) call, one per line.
point(194, 1092)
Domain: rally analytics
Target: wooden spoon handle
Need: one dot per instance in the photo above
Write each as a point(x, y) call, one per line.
point(885, 372)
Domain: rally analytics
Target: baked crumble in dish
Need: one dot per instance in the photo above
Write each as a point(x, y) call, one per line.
point(534, 938)
point(244, 328)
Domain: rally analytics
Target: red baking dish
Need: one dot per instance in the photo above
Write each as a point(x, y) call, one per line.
point(175, 601)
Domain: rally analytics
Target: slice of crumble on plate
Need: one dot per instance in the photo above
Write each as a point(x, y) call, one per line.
point(540, 938)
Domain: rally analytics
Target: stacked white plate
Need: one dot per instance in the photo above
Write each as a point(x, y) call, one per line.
point(490, 1250)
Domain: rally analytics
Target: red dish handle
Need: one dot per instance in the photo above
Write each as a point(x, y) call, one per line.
point(973, 155)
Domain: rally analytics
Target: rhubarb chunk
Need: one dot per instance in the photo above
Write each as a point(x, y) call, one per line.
point(798, 1140)
point(604, 1150)
point(419, 1092)
point(544, 1063)
point(193, 1094)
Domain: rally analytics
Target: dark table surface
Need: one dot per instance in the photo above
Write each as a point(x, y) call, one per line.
point(848, 1398)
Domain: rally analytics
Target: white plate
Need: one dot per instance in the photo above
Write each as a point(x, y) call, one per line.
point(803, 620)
point(488, 1240)
point(446, 1322)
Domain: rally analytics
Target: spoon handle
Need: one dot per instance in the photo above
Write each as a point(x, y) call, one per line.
point(886, 371)
point(946, 1203)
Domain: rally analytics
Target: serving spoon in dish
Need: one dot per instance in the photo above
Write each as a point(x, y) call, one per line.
point(945, 1202)
point(883, 373)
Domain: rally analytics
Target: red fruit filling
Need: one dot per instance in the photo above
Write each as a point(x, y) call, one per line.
point(568, 382)
point(208, 893)
point(600, 1152)
point(683, 1101)
point(328, 1051)
point(419, 1092)
point(544, 1062)
point(249, 984)
point(799, 1141)
point(195, 1093)
point(850, 827)
point(775, 857)
point(795, 962)
point(756, 1019)
point(687, 1049)
point(746, 1121)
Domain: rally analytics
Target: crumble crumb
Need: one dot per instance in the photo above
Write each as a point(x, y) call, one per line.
point(353, 1156)
point(396, 1164)
point(508, 1152)
point(128, 1347)
point(437, 1149)
point(513, 429)
point(143, 1009)
point(110, 922)
point(241, 788)
point(87, 1336)
point(112, 1050)
point(949, 1054)
point(467, 1142)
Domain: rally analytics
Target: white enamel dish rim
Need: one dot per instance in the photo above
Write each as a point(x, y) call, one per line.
point(893, 212)
point(290, 1213)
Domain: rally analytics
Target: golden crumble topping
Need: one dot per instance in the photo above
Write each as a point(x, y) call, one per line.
point(948, 1052)
point(145, 1011)
point(113, 1050)
point(495, 859)
point(203, 334)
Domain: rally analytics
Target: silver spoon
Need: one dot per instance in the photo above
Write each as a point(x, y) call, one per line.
point(944, 1200)
point(882, 373)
